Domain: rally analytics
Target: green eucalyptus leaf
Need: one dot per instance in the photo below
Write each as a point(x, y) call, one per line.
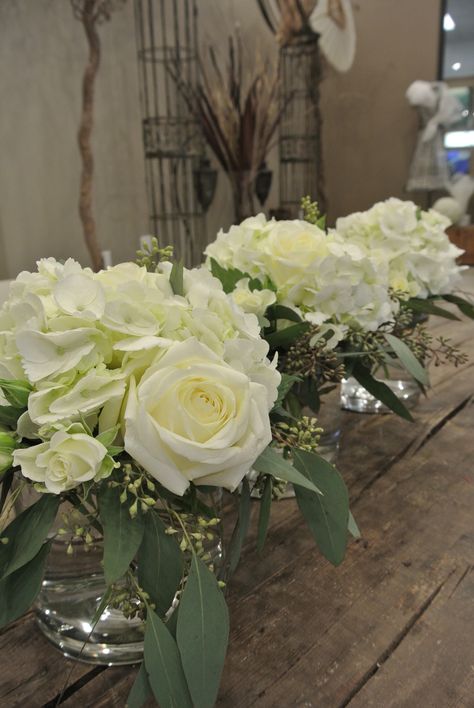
point(141, 689)
point(16, 392)
point(27, 533)
point(177, 278)
point(9, 415)
point(285, 386)
point(352, 526)
point(160, 563)
point(202, 633)
point(108, 436)
point(280, 312)
point(18, 590)
point(408, 359)
point(241, 528)
point(380, 391)
point(464, 306)
point(326, 514)
point(273, 463)
point(229, 277)
point(122, 533)
point(163, 665)
point(264, 516)
point(429, 308)
point(284, 338)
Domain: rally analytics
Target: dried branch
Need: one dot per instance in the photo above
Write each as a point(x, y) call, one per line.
point(90, 13)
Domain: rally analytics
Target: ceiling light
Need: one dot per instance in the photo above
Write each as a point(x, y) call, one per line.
point(459, 139)
point(456, 66)
point(448, 23)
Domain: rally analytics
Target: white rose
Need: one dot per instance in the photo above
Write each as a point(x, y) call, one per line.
point(292, 247)
point(64, 462)
point(194, 418)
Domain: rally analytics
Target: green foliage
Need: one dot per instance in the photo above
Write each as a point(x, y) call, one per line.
point(177, 278)
point(285, 386)
point(9, 415)
point(160, 563)
point(285, 337)
point(122, 533)
point(163, 665)
point(229, 277)
point(428, 307)
point(352, 527)
point(141, 689)
point(280, 312)
point(408, 359)
point(464, 306)
point(380, 391)
point(326, 514)
point(240, 529)
point(264, 516)
point(273, 463)
point(16, 392)
point(23, 538)
point(202, 634)
point(151, 255)
point(18, 590)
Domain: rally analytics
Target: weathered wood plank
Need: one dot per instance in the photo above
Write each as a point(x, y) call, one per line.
point(434, 664)
point(33, 671)
point(309, 624)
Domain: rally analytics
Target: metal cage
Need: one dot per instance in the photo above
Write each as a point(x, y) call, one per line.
point(166, 35)
point(300, 144)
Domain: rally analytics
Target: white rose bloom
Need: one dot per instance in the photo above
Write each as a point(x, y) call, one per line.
point(64, 462)
point(194, 418)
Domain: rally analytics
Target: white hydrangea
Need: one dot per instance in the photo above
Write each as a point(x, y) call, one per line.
point(322, 277)
point(413, 244)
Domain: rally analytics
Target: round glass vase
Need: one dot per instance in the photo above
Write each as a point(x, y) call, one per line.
point(72, 592)
point(354, 397)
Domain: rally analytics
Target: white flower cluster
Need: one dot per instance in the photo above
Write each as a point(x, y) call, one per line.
point(413, 243)
point(322, 277)
point(186, 377)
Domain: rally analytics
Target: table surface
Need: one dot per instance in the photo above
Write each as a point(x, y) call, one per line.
point(392, 626)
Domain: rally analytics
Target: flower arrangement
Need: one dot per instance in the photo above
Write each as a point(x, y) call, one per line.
point(336, 304)
point(125, 395)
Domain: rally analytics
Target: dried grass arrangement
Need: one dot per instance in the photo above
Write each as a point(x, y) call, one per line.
point(239, 110)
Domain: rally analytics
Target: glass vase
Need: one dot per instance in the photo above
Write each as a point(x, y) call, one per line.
point(72, 593)
point(355, 398)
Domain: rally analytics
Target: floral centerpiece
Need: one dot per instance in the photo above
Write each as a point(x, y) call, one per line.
point(129, 398)
point(421, 261)
point(331, 304)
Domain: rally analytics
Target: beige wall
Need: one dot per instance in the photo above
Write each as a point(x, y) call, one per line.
point(369, 129)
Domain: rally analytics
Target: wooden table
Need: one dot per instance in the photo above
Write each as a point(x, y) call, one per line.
point(392, 626)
